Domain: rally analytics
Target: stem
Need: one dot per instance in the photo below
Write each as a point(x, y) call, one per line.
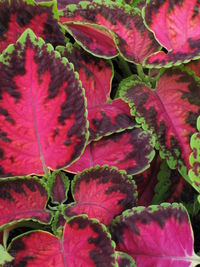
point(123, 65)
point(142, 75)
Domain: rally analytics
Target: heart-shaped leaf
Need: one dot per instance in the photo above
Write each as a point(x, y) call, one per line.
point(42, 109)
point(102, 193)
point(132, 38)
point(23, 198)
point(18, 15)
point(58, 185)
point(124, 260)
point(194, 172)
point(131, 150)
point(170, 112)
point(156, 236)
point(105, 116)
point(175, 25)
point(85, 242)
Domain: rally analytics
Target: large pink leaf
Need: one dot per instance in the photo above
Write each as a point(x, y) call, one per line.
point(85, 242)
point(16, 16)
point(131, 150)
point(156, 236)
point(170, 111)
point(176, 27)
point(102, 193)
point(105, 116)
point(132, 38)
point(23, 198)
point(42, 109)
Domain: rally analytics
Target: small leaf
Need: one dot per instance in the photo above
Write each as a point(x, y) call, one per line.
point(5, 256)
point(175, 25)
point(194, 172)
point(105, 116)
point(42, 109)
point(23, 198)
point(85, 242)
point(156, 236)
point(102, 193)
point(132, 38)
point(16, 16)
point(124, 260)
point(58, 185)
point(170, 112)
point(130, 150)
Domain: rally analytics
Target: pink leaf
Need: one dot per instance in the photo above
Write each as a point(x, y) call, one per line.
point(176, 27)
point(156, 236)
point(85, 242)
point(42, 109)
point(131, 150)
point(23, 198)
point(102, 193)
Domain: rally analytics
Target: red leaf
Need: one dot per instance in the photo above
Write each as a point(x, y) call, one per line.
point(105, 116)
point(42, 109)
point(171, 114)
point(156, 236)
point(176, 27)
point(102, 193)
point(17, 16)
point(85, 242)
point(23, 198)
point(131, 150)
point(132, 38)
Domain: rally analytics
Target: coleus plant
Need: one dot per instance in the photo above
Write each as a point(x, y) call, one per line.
point(99, 133)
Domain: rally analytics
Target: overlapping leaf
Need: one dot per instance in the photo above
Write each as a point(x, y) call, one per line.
point(18, 15)
point(176, 27)
point(170, 111)
point(85, 242)
point(102, 193)
point(105, 116)
point(58, 186)
point(42, 109)
point(171, 186)
point(131, 150)
point(132, 38)
point(146, 182)
point(194, 172)
point(156, 236)
point(23, 198)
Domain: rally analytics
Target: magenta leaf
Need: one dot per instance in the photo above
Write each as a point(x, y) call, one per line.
point(169, 113)
point(58, 185)
point(42, 109)
point(102, 193)
point(124, 260)
point(23, 198)
point(16, 16)
point(156, 236)
point(131, 37)
point(93, 247)
point(105, 116)
point(175, 25)
point(130, 150)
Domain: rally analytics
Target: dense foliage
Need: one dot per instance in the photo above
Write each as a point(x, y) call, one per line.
point(99, 133)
